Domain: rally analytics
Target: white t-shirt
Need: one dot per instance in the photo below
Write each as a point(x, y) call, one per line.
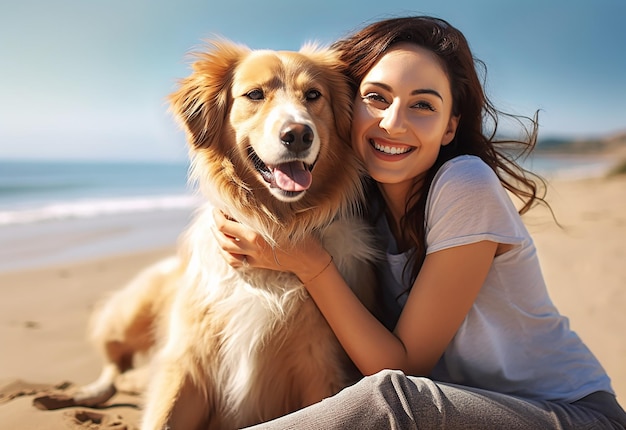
point(513, 340)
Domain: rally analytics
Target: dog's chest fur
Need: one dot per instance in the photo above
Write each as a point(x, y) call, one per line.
point(268, 336)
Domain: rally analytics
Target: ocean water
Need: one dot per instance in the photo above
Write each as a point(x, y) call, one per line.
point(563, 166)
point(58, 212)
point(32, 192)
point(43, 191)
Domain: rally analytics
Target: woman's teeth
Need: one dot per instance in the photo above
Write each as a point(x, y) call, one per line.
point(391, 149)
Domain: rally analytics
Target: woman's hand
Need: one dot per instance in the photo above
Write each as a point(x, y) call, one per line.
point(242, 247)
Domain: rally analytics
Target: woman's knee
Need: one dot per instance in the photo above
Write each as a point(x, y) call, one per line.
point(395, 380)
point(412, 400)
point(405, 400)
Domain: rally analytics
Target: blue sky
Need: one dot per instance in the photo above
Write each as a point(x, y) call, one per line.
point(87, 79)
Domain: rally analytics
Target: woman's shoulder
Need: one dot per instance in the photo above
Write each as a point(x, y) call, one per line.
point(466, 172)
point(465, 164)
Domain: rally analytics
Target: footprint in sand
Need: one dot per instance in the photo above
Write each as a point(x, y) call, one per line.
point(96, 420)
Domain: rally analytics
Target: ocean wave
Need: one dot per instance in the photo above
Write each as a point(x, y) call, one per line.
point(90, 208)
point(569, 167)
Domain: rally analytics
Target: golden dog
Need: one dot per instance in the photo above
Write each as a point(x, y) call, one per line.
point(269, 141)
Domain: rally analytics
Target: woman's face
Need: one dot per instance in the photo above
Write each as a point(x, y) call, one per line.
point(402, 115)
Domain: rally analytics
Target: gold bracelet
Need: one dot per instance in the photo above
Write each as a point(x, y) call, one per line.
point(321, 271)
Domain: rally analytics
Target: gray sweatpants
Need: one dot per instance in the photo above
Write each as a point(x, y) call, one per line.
point(391, 400)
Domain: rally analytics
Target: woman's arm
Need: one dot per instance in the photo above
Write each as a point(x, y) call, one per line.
point(442, 294)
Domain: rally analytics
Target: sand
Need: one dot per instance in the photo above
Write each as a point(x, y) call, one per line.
point(43, 312)
point(43, 316)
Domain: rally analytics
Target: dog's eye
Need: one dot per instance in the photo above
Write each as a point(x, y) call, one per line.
point(255, 95)
point(313, 95)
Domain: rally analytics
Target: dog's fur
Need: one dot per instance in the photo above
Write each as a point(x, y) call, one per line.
point(239, 346)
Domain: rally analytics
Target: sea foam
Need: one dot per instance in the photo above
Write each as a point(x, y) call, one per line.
point(89, 208)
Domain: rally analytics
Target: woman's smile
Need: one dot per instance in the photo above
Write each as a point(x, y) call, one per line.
point(389, 151)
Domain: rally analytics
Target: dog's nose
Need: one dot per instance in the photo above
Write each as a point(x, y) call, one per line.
point(297, 137)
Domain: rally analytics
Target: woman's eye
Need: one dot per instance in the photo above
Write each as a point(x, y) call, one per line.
point(424, 105)
point(374, 97)
point(255, 95)
point(313, 95)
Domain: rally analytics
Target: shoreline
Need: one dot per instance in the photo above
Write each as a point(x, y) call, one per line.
point(44, 310)
point(579, 166)
point(46, 244)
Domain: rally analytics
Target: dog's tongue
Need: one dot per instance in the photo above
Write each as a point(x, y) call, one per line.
point(292, 176)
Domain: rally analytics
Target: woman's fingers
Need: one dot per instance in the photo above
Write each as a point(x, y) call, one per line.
point(226, 242)
point(239, 245)
point(225, 225)
point(230, 247)
point(246, 238)
point(230, 252)
point(236, 241)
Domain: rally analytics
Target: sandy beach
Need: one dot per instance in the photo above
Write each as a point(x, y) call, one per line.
point(44, 311)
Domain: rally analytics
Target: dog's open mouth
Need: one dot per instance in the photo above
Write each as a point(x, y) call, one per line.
point(293, 177)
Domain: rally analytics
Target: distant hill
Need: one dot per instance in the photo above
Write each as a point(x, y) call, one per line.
point(610, 143)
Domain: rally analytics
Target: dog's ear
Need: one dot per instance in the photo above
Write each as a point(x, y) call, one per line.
point(342, 93)
point(202, 100)
point(342, 100)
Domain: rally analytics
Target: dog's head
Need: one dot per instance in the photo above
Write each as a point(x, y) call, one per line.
point(269, 134)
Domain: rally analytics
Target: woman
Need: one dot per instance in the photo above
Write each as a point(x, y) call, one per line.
point(467, 311)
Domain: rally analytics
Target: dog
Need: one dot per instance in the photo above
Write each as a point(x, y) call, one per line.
point(269, 142)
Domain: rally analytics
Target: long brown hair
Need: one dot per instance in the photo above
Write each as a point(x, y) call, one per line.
point(476, 133)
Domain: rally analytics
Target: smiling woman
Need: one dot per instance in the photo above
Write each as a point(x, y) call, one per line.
point(402, 116)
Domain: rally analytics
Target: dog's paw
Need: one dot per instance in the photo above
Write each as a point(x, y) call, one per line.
point(94, 394)
point(90, 395)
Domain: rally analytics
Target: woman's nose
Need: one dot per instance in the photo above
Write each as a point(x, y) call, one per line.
point(393, 119)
